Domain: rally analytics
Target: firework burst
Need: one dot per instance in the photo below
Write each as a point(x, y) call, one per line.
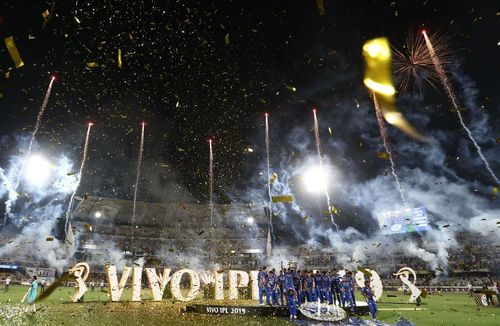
point(413, 66)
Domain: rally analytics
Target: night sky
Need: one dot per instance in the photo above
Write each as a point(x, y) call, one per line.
point(194, 70)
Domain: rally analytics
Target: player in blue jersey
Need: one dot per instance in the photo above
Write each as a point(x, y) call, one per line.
point(346, 289)
point(317, 289)
point(303, 287)
point(351, 279)
point(326, 288)
point(281, 284)
point(367, 292)
point(291, 297)
point(272, 284)
point(335, 288)
point(309, 285)
point(296, 285)
point(263, 289)
point(289, 279)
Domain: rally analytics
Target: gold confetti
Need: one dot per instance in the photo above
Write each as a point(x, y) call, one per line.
point(321, 7)
point(7, 74)
point(383, 155)
point(495, 190)
point(378, 78)
point(119, 58)
point(274, 177)
point(291, 88)
point(14, 53)
point(77, 20)
point(88, 227)
point(92, 64)
point(226, 39)
point(282, 199)
point(49, 239)
point(365, 272)
point(330, 130)
point(46, 14)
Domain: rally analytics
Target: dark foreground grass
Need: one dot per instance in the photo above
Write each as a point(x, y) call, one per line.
point(446, 309)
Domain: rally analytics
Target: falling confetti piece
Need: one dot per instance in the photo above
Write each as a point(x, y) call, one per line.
point(330, 131)
point(92, 64)
point(282, 199)
point(226, 39)
point(291, 88)
point(274, 177)
point(49, 239)
point(321, 7)
point(14, 53)
point(446, 225)
point(365, 272)
point(119, 58)
point(46, 15)
point(383, 155)
point(77, 20)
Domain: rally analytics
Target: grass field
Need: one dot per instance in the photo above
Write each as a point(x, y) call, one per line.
point(446, 309)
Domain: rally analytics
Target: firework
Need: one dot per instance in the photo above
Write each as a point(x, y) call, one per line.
point(35, 131)
point(137, 177)
point(448, 88)
point(13, 196)
point(211, 181)
point(387, 146)
point(268, 162)
point(318, 148)
point(413, 65)
point(79, 176)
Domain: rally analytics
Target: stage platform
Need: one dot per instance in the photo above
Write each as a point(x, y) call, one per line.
point(305, 311)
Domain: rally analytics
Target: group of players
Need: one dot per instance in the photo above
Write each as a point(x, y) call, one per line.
point(292, 288)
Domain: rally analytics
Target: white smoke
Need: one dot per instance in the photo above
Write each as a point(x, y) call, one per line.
point(34, 214)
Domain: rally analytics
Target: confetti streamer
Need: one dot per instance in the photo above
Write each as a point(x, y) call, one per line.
point(282, 199)
point(14, 53)
point(377, 55)
point(119, 58)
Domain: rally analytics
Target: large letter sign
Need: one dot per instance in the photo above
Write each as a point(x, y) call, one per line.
point(237, 279)
point(115, 289)
point(236, 282)
point(194, 285)
point(158, 284)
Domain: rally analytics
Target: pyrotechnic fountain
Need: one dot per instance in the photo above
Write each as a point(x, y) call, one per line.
point(268, 163)
point(78, 176)
point(318, 148)
point(448, 88)
point(137, 177)
point(385, 140)
point(211, 182)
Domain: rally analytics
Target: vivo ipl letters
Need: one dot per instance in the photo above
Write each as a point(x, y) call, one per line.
point(158, 281)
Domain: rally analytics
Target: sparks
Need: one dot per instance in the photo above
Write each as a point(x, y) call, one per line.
point(79, 177)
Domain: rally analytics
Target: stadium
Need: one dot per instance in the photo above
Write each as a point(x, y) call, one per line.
point(249, 163)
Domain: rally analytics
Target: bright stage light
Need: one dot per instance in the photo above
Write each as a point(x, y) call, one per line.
point(98, 214)
point(250, 220)
point(37, 171)
point(315, 179)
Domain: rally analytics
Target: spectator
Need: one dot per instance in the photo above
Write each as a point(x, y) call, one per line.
point(7, 283)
